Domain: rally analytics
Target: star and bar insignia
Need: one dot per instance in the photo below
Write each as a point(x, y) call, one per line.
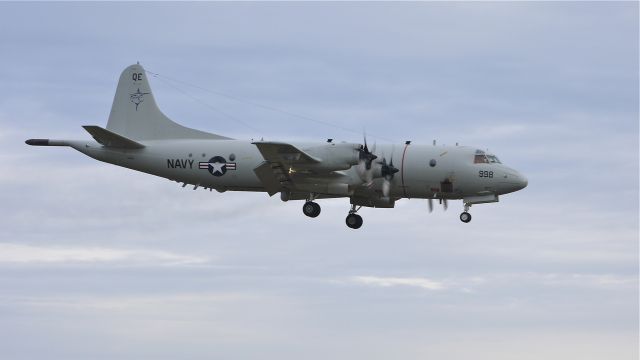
point(217, 165)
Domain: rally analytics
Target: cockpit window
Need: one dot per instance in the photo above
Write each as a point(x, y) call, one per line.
point(493, 159)
point(483, 158)
point(480, 158)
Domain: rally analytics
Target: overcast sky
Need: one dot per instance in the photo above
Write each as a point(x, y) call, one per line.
point(100, 262)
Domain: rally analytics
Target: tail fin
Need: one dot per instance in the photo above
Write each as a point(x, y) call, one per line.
point(135, 115)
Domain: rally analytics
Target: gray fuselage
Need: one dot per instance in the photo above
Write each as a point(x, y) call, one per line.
point(454, 175)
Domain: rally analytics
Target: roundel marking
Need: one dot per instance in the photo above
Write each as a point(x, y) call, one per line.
point(217, 166)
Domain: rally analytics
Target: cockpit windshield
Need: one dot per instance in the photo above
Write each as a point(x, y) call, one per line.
point(483, 158)
point(493, 159)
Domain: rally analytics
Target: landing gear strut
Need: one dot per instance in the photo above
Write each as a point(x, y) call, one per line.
point(465, 217)
point(354, 220)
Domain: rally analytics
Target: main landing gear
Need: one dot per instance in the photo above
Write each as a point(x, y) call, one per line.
point(311, 209)
point(354, 220)
point(465, 217)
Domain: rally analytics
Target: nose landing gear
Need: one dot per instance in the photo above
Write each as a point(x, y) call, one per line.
point(354, 220)
point(465, 217)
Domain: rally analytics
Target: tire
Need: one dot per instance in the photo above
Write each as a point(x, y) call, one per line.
point(354, 221)
point(311, 209)
point(316, 209)
point(465, 217)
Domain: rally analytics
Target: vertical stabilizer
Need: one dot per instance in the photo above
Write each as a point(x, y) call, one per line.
point(136, 115)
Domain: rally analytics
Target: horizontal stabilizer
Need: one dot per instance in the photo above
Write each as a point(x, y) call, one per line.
point(111, 139)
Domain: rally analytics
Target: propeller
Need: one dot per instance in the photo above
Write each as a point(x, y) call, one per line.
point(368, 170)
point(367, 156)
point(387, 171)
point(365, 162)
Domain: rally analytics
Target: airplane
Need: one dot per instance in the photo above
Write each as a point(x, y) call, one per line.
point(139, 136)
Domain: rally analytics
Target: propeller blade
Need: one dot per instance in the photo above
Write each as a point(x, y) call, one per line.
point(368, 176)
point(366, 155)
point(445, 204)
point(386, 187)
point(430, 205)
point(387, 170)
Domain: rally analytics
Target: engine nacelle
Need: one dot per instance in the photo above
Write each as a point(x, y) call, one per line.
point(333, 157)
point(368, 175)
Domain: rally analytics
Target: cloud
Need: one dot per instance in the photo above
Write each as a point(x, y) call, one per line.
point(603, 281)
point(31, 254)
point(423, 283)
point(492, 281)
point(126, 302)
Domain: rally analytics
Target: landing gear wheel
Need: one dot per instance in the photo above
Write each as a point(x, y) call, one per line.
point(465, 217)
point(311, 209)
point(354, 221)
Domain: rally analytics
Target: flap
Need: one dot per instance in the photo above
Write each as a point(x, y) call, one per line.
point(284, 153)
point(111, 139)
point(271, 181)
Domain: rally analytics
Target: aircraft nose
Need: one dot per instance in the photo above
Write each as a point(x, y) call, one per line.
point(514, 181)
point(522, 181)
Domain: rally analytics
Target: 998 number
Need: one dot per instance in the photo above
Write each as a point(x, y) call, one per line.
point(485, 173)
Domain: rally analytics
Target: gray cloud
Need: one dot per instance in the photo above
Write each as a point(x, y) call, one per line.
point(26, 254)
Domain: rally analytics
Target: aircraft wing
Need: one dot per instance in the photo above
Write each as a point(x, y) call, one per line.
point(273, 177)
point(275, 172)
point(279, 152)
